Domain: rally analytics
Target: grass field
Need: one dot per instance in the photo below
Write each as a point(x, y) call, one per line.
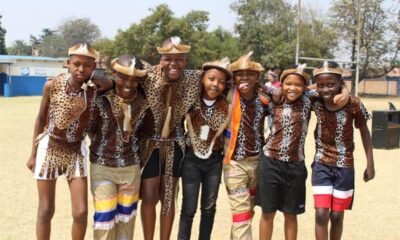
point(375, 214)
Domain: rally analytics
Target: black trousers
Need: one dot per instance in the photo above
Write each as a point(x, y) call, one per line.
point(198, 172)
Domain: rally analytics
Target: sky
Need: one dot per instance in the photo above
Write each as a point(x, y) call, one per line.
point(21, 18)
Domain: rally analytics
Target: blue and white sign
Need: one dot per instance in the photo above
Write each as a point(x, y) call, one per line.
point(25, 71)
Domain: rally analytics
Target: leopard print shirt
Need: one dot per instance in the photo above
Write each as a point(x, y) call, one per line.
point(111, 146)
point(69, 114)
point(250, 138)
point(179, 97)
point(206, 121)
point(334, 132)
point(183, 94)
point(289, 130)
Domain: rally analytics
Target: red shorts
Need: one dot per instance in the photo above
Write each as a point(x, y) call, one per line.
point(333, 187)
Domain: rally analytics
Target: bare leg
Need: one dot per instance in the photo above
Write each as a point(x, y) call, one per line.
point(321, 223)
point(267, 225)
point(336, 225)
point(46, 191)
point(290, 226)
point(149, 192)
point(78, 189)
point(166, 221)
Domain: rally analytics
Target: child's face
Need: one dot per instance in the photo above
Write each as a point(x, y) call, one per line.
point(214, 83)
point(173, 65)
point(293, 87)
point(245, 82)
point(328, 85)
point(126, 85)
point(81, 67)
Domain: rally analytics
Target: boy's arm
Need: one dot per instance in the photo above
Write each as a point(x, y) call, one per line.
point(40, 123)
point(369, 172)
point(94, 123)
point(342, 98)
point(269, 92)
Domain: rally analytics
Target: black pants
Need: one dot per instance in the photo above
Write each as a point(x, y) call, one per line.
point(196, 172)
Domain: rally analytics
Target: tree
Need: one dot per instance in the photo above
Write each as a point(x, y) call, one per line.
point(369, 19)
point(53, 46)
point(19, 47)
point(143, 38)
point(394, 41)
point(55, 43)
point(80, 30)
point(317, 38)
point(267, 28)
point(47, 32)
point(3, 31)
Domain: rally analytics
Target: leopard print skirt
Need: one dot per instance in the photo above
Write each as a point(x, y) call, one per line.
point(53, 160)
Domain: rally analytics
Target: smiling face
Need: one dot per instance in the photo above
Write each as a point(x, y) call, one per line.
point(328, 85)
point(81, 67)
point(173, 65)
point(245, 81)
point(126, 85)
point(293, 87)
point(214, 83)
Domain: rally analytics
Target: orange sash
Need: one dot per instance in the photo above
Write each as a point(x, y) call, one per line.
point(235, 123)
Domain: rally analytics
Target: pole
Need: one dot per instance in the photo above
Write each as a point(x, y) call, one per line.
point(298, 30)
point(9, 74)
point(358, 51)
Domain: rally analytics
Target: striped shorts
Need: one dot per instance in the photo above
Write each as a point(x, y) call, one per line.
point(115, 194)
point(333, 187)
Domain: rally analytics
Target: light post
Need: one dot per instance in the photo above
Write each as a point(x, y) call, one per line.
point(298, 30)
point(358, 50)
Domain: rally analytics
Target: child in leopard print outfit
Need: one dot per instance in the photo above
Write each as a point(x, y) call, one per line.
point(114, 151)
point(244, 142)
point(58, 139)
point(333, 167)
point(202, 164)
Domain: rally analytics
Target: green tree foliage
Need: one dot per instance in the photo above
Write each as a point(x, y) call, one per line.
point(394, 42)
point(53, 46)
point(269, 28)
point(372, 20)
point(317, 39)
point(3, 31)
point(266, 27)
point(55, 43)
point(80, 30)
point(20, 47)
point(143, 38)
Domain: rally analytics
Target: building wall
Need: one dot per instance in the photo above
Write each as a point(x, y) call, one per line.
point(377, 87)
point(27, 77)
point(26, 86)
point(30, 68)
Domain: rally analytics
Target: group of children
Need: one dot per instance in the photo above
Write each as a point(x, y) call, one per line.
point(140, 146)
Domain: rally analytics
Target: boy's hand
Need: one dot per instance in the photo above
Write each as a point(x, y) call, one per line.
point(342, 98)
point(31, 164)
point(277, 95)
point(369, 174)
